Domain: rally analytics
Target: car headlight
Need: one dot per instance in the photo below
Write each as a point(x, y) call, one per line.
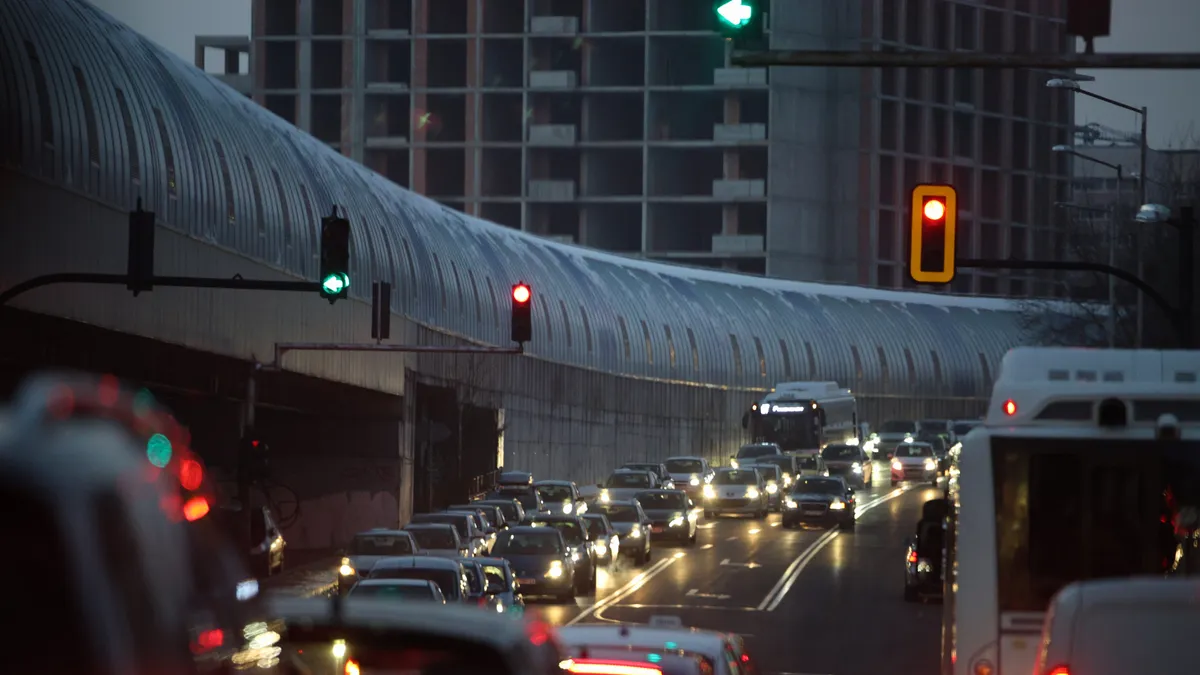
point(600, 548)
point(574, 555)
point(837, 505)
point(346, 569)
point(908, 439)
point(856, 467)
point(772, 489)
point(752, 493)
point(556, 569)
point(733, 463)
point(709, 492)
point(709, 478)
point(604, 495)
point(930, 465)
point(677, 521)
point(694, 480)
point(924, 567)
point(791, 504)
point(897, 466)
point(568, 507)
point(635, 533)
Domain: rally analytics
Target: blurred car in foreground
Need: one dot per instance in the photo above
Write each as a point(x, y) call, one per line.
point(690, 650)
point(402, 590)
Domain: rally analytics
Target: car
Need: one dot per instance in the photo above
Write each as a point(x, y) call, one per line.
point(690, 473)
point(606, 543)
point(374, 636)
point(772, 478)
point(514, 479)
point(369, 547)
point(540, 559)
point(850, 462)
point(923, 554)
point(561, 496)
point(719, 653)
point(736, 491)
point(810, 463)
point(502, 585)
point(659, 470)
point(265, 553)
point(483, 524)
point(575, 533)
point(750, 453)
point(914, 461)
point(404, 590)
point(495, 514)
point(530, 501)
point(513, 512)
point(633, 526)
point(624, 484)
point(789, 467)
point(672, 515)
point(477, 584)
point(892, 434)
point(448, 574)
point(821, 499)
point(464, 523)
point(440, 540)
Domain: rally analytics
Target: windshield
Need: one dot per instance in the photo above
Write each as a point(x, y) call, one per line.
point(783, 462)
point(571, 532)
point(508, 509)
point(434, 538)
point(383, 544)
point(791, 431)
point(898, 427)
point(840, 452)
point(474, 578)
point(393, 591)
point(819, 486)
point(595, 527)
point(769, 473)
point(528, 499)
point(914, 451)
point(735, 478)
point(684, 466)
point(751, 451)
point(662, 500)
point(555, 493)
point(495, 575)
point(809, 462)
point(621, 513)
point(458, 521)
point(629, 480)
point(447, 580)
point(1070, 510)
point(652, 468)
point(528, 543)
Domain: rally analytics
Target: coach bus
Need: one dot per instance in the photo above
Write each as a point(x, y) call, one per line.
point(799, 416)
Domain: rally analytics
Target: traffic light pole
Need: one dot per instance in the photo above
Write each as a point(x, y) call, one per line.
point(282, 348)
point(236, 283)
point(915, 59)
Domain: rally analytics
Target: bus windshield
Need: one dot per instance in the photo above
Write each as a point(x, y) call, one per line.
point(1076, 509)
point(789, 431)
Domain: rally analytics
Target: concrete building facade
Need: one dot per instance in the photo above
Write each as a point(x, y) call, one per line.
point(620, 126)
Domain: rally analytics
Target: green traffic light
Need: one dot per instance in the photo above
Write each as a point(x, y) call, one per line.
point(735, 13)
point(158, 450)
point(335, 284)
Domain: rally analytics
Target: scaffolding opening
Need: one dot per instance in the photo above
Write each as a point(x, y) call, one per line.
point(389, 62)
point(680, 15)
point(506, 18)
point(613, 227)
point(387, 116)
point(555, 164)
point(445, 172)
point(283, 105)
point(615, 117)
point(556, 108)
point(616, 62)
point(327, 65)
point(613, 172)
point(327, 117)
point(627, 16)
point(445, 120)
point(281, 65)
point(389, 15)
point(279, 18)
point(507, 214)
point(503, 63)
point(685, 61)
point(685, 115)
point(327, 16)
point(447, 17)
point(392, 164)
point(683, 227)
point(503, 118)
point(446, 63)
point(502, 177)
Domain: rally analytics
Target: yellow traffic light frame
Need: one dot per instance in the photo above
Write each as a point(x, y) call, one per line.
point(917, 219)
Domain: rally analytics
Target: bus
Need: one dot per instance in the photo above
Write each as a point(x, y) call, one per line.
point(1087, 466)
point(803, 416)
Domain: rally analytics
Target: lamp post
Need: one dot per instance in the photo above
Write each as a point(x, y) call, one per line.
point(1112, 237)
point(1144, 150)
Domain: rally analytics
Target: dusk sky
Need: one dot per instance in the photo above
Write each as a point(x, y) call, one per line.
point(1173, 97)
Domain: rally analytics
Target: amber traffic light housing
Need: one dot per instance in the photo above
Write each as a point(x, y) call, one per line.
point(934, 224)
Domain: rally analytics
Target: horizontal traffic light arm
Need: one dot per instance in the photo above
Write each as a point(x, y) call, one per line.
point(232, 283)
point(282, 348)
point(855, 59)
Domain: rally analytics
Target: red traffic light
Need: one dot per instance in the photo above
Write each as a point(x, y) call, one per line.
point(935, 209)
point(521, 293)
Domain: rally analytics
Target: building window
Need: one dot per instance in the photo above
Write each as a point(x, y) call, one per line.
point(625, 337)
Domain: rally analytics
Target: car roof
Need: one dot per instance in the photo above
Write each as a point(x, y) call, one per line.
point(708, 643)
point(730, 469)
point(552, 482)
point(621, 502)
point(428, 526)
point(813, 479)
point(468, 624)
point(653, 464)
point(497, 562)
point(554, 517)
point(424, 583)
point(917, 444)
point(457, 514)
point(627, 470)
point(595, 516)
point(529, 529)
point(382, 532)
point(698, 457)
point(415, 562)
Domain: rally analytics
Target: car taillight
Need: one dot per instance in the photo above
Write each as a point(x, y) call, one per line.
point(912, 557)
point(1059, 670)
point(604, 667)
point(351, 668)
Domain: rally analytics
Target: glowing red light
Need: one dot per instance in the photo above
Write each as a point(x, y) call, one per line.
point(195, 508)
point(521, 293)
point(1010, 407)
point(912, 557)
point(209, 639)
point(191, 474)
point(1059, 670)
point(254, 444)
point(935, 209)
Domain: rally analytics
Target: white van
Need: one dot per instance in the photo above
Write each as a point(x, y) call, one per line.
point(1122, 626)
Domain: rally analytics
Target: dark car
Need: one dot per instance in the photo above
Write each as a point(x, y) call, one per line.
point(403, 590)
point(513, 512)
point(575, 532)
point(561, 496)
point(515, 478)
point(605, 540)
point(789, 467)
point(449, 575)
point(530, 501)
point(264, 553)
point(850, 462)
point(672, 515)
point(495, 514)
point(633, 525)
point(540, 559)
point(477, 584)
point(368, 548)
point(502, 585)
point(820, 499)
point(464, 523)
point(923, 554)
point(660, 472)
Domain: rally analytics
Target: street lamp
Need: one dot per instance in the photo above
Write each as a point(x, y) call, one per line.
point(1112, 236)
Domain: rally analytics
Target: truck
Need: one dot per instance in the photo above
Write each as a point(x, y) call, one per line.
point(804, 416)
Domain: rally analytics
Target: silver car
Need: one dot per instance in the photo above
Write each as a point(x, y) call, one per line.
point(625, 484)
point(439, 540)
point(690, 474)
point(736, 491)
point(914, 461)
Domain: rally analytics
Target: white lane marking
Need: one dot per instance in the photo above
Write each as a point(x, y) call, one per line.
point(706, 546)
point(733, 539)
point(775, 596)
point(776, 524)
point(626, 590)
point(693, 591)
point(749, 565)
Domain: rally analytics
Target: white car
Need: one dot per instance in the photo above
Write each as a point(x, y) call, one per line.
point(665, 636)
point(736, 491)
point(914, 462)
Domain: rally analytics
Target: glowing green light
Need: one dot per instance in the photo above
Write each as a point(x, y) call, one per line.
point(671, 645)
point(735, 13)
point(335, 283)
point(654, 658)
point(158, 450)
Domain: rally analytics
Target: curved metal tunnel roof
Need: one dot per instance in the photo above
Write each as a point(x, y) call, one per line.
point(100, 109)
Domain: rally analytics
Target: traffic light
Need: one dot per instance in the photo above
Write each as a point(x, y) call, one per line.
point(253, 463)
point(934, 220)
point(522, 312)
point(739, 20)
point(335, 256)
